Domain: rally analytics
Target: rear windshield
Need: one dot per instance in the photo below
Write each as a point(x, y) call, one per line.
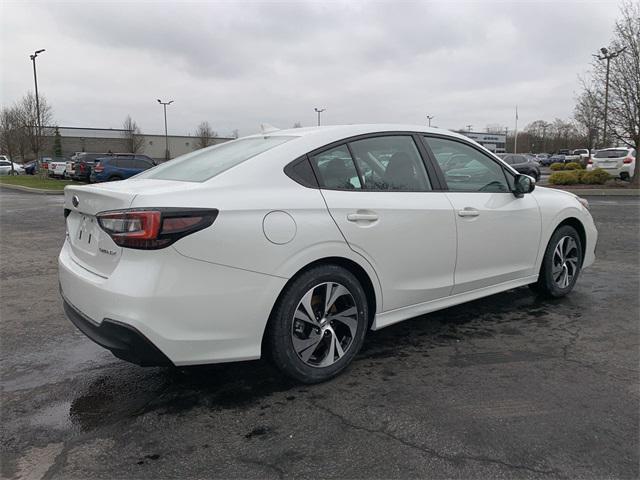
point(204, 164)
point(611, 154)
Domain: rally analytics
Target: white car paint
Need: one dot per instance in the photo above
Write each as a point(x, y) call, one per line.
point(610, 160)
point(207, 297)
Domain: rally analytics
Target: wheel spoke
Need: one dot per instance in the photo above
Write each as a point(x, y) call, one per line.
point(570, 245)
point(351, 323)
point(306, 304)
point(307, 346)
point(331, 351)
point(301, 315)
point(334, 291)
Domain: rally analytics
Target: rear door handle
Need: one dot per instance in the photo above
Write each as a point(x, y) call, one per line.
point(468, 212)
point(362, 217)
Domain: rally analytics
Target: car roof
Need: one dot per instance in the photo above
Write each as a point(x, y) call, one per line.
point(331, 133)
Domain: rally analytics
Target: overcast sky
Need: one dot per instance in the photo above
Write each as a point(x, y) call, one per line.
point(239, 64)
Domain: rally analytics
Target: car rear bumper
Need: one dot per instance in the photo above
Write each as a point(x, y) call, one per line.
point(192, 311)
point(124, 341)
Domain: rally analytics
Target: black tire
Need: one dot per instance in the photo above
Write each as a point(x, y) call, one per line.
point(114, 178)
point(546, 284)
point(279, 335)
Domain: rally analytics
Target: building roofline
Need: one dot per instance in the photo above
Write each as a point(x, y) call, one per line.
point(121, 130)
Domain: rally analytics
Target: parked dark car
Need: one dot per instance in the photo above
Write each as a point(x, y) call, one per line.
point(31, 168)
point(522, 164)
point(82, 163)
point(119, 167)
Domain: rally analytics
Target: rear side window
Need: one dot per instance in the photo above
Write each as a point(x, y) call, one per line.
point(390, 163)
point(336, 170)
point(204, 164)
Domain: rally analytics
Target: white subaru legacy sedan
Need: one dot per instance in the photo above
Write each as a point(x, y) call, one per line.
point(294, 244)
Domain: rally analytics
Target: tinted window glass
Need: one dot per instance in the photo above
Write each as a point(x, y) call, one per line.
point(301, 172)
point(5, 164)
point(611, 154)
point(390, 163)
point(336, 169)
point(467, 169)
point(208, 162)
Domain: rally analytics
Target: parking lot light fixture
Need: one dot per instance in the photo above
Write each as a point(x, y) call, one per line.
point(35, 81)
point(167, 155)
point(429, 118)
point(607, 55)
point(319, 111)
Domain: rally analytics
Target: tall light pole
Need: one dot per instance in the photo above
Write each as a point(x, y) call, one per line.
point(429, 118)
point(469, 127)
point(607, 55)
point(319, 111)
point(166, 136)
point(35, 81)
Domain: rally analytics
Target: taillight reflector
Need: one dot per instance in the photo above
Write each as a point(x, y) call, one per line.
point(153, 228)
point(628, 160)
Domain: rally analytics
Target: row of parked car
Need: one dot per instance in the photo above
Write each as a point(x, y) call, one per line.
point(100, 167)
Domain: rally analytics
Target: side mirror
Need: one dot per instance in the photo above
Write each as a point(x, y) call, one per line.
point(523, 184)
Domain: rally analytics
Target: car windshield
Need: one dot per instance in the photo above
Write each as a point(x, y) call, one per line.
point(611, 153)
point(204, 164)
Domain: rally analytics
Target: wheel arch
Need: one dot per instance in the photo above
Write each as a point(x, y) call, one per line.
point(579, 227)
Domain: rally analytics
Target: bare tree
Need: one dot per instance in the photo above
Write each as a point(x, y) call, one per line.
point(11, 132)
point(205, 135)
point(297, 125)
point(587, 115)
point(27, 112)
point(624, 80)
point(132, 135)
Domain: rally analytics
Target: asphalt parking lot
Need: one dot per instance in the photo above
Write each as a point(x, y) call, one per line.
point(511, 386)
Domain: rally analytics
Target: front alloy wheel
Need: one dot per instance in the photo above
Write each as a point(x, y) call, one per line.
point(318, 324)
point(561, 263)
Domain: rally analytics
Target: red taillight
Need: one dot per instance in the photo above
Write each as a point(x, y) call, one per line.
point(45, 166)
point(153, 228)
point(628, 160)
point(81, 167)
point(590, 162)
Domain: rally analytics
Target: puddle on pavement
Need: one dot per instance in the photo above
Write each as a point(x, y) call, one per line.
point(167, 391)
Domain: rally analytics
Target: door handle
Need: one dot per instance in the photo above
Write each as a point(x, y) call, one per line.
point(359, 217)
point(468, 212)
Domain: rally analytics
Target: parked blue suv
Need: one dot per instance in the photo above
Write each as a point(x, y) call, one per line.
point(119, 167)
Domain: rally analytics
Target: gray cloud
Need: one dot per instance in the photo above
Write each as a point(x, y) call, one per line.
point(238, 64)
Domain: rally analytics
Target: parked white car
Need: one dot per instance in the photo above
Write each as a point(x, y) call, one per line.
point(57, 168)
point(5, 167)
point(294, 244)
point(619, 161)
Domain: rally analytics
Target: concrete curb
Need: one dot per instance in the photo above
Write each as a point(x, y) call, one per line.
point(38, 191)
point(618, 192)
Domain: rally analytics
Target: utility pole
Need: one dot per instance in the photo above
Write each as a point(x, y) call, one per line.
point(545, 125)
point(39, 126)
point(319, 111)
point(469, 127)
point(607, 55)
point(430, 117)
point(515, 134)
point(166, 136)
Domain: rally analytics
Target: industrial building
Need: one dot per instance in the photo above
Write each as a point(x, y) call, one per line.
point(77, 139)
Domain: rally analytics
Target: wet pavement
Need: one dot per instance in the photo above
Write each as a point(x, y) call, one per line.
point(510, 386)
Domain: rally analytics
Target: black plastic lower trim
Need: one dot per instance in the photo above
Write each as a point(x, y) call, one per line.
point(124, 341)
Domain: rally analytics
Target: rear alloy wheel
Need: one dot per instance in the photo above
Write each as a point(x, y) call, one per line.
point(319, 324)
point(561, 263)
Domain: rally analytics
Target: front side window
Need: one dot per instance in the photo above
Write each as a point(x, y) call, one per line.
point(390, 163)
point(204, 164)
point(466, 169)
point(336, 169)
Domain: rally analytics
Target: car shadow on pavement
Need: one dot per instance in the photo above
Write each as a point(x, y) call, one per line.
point(126, 391)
